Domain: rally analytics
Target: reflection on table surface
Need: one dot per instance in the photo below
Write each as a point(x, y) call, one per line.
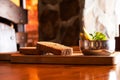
point(9, 71)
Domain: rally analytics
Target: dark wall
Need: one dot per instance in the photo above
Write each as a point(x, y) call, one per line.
point(60, 20)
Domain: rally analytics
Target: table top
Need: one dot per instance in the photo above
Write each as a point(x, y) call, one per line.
point(12, 71)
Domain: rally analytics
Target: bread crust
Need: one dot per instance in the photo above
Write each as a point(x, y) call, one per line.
point(54, 48)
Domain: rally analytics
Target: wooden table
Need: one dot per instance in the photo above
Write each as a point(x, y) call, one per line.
point(10, 71)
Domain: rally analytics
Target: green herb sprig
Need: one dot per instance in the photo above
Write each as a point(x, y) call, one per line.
point(98, 36)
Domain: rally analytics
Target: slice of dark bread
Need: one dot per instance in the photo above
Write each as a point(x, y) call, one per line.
point(54, 48)
point(28, 50)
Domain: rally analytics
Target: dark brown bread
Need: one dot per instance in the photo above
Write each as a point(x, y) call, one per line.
point(54, 48)
point(28, 50)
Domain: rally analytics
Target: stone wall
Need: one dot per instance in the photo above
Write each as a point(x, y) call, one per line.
point(60, 20)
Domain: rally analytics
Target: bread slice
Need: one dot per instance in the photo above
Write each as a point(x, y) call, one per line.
point(28, 50)
point(54, 48)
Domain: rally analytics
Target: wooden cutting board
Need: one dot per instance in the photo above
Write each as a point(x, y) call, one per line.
point(74, 59)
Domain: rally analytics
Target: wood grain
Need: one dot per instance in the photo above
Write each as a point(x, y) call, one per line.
point(75, 59)
point(12, 12)
point(12, 71)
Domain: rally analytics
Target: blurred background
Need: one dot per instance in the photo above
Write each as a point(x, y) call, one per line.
point(53, 20)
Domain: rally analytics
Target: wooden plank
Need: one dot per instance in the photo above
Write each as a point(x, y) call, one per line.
point(12, 12)
point(74, 59)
